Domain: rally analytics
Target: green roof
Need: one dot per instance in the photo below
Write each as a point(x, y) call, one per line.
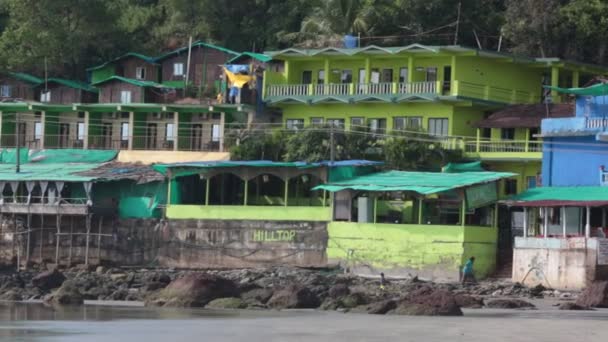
point(139, 83)
point(424, 183)
point(257, 56)
point(71, 84)
point(561, 196)
point(145, 58)
point(195, 44)
point(26, 77)
point(594, 90)
point(66, 172)
point(67, 155)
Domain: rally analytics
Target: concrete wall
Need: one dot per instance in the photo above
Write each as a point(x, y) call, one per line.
point(565, 264)
point(573, 161)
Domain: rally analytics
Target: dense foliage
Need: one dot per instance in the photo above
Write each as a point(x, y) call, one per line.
point(75, 34)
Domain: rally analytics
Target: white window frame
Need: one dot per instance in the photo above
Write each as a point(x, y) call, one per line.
point(37, 130)
point(45, 96)
point(170, 131)
point(80, 134)
point(125, 96)
point(316, 121)
point(178, 69)
point(294, 124)
point(442, 123)
point(140, 73)
point(5, 90)
point(124, 131)
point(215, 132)
point(360, 122)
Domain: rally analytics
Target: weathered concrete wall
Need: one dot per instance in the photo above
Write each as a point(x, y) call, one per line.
point(565, 264)
point(428, 251)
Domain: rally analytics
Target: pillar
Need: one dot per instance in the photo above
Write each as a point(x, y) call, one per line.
point(554, 83)
point(245, 193)
point(85, 140)
point(545, 222)
point(42, 129)
point(175, 131)
point(131, 129)
point(368, 70)
point(326, 70)
point(564, 222)
point(208, 180)
point(463, 212)
point(410, 69)
point(222, 123)
point(478, 140)
point(286, 190)
point(575, 79)
point(588, 222)
point(420, 211)
point(525, 222)
point(527, 141)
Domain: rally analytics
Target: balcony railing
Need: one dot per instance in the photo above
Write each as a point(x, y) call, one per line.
point(289, 90)
point(338, 89)
point(508, 146)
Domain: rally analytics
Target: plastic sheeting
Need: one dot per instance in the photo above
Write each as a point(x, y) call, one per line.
point(9, 156)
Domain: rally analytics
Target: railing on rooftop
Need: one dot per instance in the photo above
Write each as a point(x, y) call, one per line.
point(340, 89)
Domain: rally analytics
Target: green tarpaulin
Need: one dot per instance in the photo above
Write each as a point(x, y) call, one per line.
point(8, 156)
point(594, 90)
point(65, 172)
point(463, 167)
point(424, 183)
point(562, 196)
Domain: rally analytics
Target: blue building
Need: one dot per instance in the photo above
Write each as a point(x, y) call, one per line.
point(564, 221)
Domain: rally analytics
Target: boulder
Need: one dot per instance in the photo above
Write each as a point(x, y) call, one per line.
point(339, 290)
point(48, 280)
point(12, 295)
point(353, 300)
point(573, 306)
point(193, 290)
point(468, 301)
point(381, 308)
point(67, 294)
point(428, 301)
point(509, 304)
point(227, 303)
point(294, 297)
point(595, 295)
point(260, 295)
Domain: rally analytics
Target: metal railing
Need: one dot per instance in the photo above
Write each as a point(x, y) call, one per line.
point(288, 90)
point(596, 123)
point(417, 88)
point(21, 199)
point(332, 89)
point(509, 146)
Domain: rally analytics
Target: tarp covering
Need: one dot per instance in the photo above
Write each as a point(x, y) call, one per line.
point(561, 196)
point(424, 183)
point(237, 80)
point(463, 167)
point(594, 90)
point(8, 156)
point(66, 172)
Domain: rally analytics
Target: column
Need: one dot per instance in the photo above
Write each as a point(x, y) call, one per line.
point(453, 88)
point(575, 79)
point(478, 140)
point(42, 129)
point(588, 222)
point(527, 140)
point(208, 180)
point(246, 192)
point(564, 222)
point(286, 190)
point(85, 140)
point(463, 212)
point(420, 211)
point(410, 69)
point(131, 129)
point(368, 70)
point(222, 123)
point(326, 70)
point(554, 83)
point(175, 131)
point(545, 222)
point(525, 222)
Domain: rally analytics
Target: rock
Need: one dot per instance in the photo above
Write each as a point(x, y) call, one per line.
point(329, 304)
point(353, 300)
point(164, 278)
point(120, 294)
point(573, 306)
point(261, 295)
point(153, 286)
point(48, 280)
point(12, 295)
point(67, 294)
point(429, 301)
point(193, 290)
point(497, 293)
point(339, 290)
point(294, 297)
point(595, 295)
point(94, 293)
point(118, 276)
point(537, 291)
point(381, 308)
point(227, 303)
point(100, 270)
point(470, 302)
point(565, 295)
point(509, 304)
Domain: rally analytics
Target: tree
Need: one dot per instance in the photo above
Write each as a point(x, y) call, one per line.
point(417, 153)
point(586, 22)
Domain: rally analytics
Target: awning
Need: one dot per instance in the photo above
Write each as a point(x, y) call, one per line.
point(424, 183)
point(579, 196)
point(594, 90)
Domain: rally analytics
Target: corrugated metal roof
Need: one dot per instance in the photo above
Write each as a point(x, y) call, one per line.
point(526, 116)
point(25, 77)
point(72, 84)
point(424, 183)
point(195, 44)
point(257, 56)
point(139, 83)
point(555, 196)
point(145, 58)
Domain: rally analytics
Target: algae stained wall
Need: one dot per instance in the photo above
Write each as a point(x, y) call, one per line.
point(428, 251)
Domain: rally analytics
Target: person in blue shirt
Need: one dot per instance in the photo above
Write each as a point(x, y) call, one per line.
point(467, 271)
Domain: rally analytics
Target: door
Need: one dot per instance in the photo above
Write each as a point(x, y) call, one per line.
point(375, 76)
point(306, 77)
point(22, 131)
point(387, 76)
point(151, 136)
point(447, 79)
point(196, 137)
point(64, 135)
point(106, 135)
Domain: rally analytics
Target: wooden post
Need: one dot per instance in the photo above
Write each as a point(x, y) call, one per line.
point(207, 191)
point(99, 241)
point(564, 221)
point(71, 240)
point(57, 237)
point(88, 227)
point(85, 140)
point(525, 222)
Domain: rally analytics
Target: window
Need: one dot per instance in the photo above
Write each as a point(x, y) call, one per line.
point(307, 77)
point(387, 75)
point(438, 127)
point(531, 182)
point(486, 133)
point(37, 130)
point(375, 76)
point(431, 74)
point(169, 132)
point(45, 96)
point(403, 75)
point(533, 134)
point(316, 121)
point(5, 90)
point(510, 186)
point(294, 124)
point(507, 133)
point(140, 73)
point(413, 123)
point(377, 125)
point(362, 76)
point(357, 123)
point(321, 77)
point(125, 96)
point(124, 131)
point(215, 132)
point(178, 69)
point(338, 123)
point(80, 131)
point(347, 76)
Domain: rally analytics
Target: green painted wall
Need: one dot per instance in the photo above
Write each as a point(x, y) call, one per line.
point(51, 130)
point(103, 73)
point(523, 169)
point(430, 249)
point(219, 212)
point(95, 129)
point(139, 130)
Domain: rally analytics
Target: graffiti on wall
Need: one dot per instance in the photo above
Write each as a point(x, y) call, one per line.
point(274, 235)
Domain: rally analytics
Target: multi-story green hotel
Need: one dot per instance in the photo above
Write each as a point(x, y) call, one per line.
point(446, 91)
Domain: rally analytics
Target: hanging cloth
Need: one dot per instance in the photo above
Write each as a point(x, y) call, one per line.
point(14, 187)
point(2, 184)
point(43, 186)
point(87, 190)
point(237, 80)
point(59, 187)
point(30, 187)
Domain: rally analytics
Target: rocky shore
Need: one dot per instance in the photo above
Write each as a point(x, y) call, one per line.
point(271, 288)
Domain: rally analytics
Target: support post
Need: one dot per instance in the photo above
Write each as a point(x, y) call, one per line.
point(525, 222)
point(131, 130)
point(564, 221)
point(175, 131)
point(420, 210)
point(495, 218)
point(245, 193)
point(222, 124)
point(554, 83)
point(71, 240)
point(604, 217)
point(478, 143)
point(588, 222)
point(410, 69)
point(575, 79)
point(324, 198)
point(375, 209)
point(463, 212)
point(86, 251)
point(326, 71)
point(41, 237)
point(207, 191)
point(29, 233)
point(527, 140)
point(545, 222)
point(368, 70)
point(286, 191)
point(42, 129)
point(99, 241)
point(57, 237)
point(169, 186)
point(85, 139)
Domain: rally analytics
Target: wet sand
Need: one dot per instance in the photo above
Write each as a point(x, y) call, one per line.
point(33, 322)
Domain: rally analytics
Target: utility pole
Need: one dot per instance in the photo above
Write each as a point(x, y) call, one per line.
point(18, 137)
point(457, 24)
point(188, 65)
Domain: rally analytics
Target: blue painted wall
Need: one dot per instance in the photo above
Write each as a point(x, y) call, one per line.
point(573, 161)
point(592, 106)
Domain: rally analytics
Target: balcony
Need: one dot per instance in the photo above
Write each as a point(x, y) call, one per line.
point(351, 92)
point(503, 149)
